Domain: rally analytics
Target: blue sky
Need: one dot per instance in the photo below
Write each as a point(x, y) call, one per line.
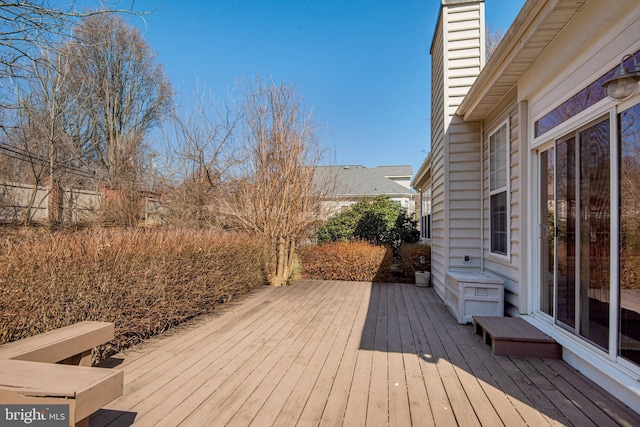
point(362, 66)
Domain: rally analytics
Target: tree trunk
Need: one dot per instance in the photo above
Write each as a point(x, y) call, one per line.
point(290, 260)
point(278, 279)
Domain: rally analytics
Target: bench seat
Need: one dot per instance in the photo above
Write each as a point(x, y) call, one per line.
point(71, 344)
point(84, 389)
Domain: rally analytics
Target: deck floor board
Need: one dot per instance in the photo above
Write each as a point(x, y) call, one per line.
point(346, 353)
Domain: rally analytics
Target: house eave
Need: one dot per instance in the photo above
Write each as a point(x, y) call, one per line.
point(423, 174)
point(534, 29)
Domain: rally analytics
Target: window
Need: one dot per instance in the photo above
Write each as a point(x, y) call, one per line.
point(498, 190)
point(584, 99)
point(425, 220)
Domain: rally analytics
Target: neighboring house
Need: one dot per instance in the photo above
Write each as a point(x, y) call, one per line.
point(355, 182)
point(533, 174)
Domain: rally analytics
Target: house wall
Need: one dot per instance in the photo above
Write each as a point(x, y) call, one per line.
point(438, 238)
point(464, 183)
point(508, 267)
point(457, 56)
point(578, 56)
point(404, 181)
point(590, 45)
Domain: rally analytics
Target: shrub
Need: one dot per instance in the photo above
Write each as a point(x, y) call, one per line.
point(377, 221)
point(410, 259)
point(355, 261)
point(145, 281)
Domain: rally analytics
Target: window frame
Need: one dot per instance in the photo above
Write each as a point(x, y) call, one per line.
point(506, 189)
point(425, 211)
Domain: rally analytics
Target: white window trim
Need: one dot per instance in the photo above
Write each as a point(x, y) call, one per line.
point(505, 123)
point(603, 110)
point(584, 117)
point(426, 198)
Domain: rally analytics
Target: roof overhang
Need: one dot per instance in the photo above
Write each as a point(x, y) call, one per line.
point(536, 26)
point(423, 175)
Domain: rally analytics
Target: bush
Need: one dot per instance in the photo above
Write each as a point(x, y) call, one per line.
point(377, 221)
point(354, 261)
point(145, 281)
point(410, 259)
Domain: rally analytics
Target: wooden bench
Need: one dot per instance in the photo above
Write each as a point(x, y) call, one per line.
point(36, 370)
point(512, 336)
point(71, 345)
point(83, 388)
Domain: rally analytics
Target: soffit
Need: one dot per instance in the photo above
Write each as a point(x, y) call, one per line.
point(536, 26)
point(423, 175)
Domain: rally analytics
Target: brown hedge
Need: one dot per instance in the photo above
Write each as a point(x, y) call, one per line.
point(145, 281)
point(410, 259)
point(354, 261)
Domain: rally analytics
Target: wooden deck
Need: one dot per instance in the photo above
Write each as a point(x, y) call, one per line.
point(346, 353)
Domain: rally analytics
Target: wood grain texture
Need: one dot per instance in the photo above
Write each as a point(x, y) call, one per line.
point(346, 353)
point(60, 344)
point(87, 388)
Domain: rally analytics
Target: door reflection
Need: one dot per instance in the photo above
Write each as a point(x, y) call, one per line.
point(629, 338)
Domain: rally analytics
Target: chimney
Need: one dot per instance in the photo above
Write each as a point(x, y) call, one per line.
point(457, 56)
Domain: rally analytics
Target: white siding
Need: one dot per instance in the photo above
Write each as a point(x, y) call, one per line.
point(554, 51)
point(438, 237)
point(464, 194)
point(457, 57)
point(464, 50)
point(508, 268)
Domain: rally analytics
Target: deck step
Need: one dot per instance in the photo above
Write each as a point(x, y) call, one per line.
point(512, 336)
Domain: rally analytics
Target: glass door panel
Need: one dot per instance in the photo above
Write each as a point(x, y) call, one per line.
point(547, 230)
point(575, 254)
point(629, 307)
point(594, 259)
point(566, 233)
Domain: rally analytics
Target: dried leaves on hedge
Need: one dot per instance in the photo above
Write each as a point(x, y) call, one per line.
point(356, 261)
point(410, 258)
point(145, 281)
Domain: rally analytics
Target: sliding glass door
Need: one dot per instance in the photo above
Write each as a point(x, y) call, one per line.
point(629, 306)
point(575, 201)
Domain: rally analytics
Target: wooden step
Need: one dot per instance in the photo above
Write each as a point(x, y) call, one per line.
point(512, 336)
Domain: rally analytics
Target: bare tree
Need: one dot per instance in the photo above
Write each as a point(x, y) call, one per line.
point(24, 147)
point(29, 27)
point(128, 95)
point(39, 137)
point(199, 142)
point(129, 92)
point(55, 120)
point(274, 192)
point(493, 37)
point(45, 123)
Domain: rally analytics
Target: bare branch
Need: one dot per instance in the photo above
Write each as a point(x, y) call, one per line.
point(271, 191)
point(128, 93)
point(29, 27)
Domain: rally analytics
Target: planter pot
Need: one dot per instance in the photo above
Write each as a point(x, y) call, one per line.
point(423, 278)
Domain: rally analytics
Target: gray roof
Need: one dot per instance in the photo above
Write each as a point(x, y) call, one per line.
point(395, 171)
point(360, 181)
